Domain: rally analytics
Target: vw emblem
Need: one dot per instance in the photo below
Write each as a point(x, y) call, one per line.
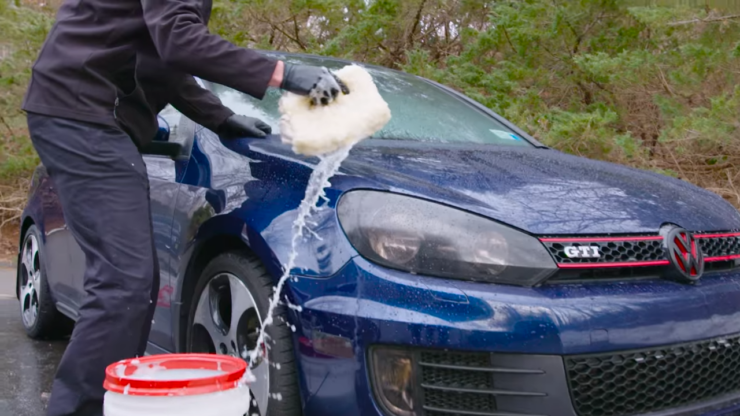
point(684, 254)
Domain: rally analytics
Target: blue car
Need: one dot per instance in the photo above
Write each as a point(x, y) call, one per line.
point(457, 267)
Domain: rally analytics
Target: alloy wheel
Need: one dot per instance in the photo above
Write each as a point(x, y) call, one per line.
point(227, 321)
point(30, 281)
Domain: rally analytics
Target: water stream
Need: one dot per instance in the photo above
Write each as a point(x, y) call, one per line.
point(326, 168)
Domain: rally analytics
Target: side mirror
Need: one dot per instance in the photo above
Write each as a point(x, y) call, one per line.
point(160, 144)
point(163, 133)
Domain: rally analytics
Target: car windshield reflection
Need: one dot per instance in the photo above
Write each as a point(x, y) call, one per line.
point(421, 111)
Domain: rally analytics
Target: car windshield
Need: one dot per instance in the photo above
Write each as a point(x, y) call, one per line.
point(420, 111)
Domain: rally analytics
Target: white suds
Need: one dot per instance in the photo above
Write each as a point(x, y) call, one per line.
point(297, 308)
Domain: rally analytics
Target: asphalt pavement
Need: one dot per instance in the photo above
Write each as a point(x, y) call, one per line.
point(26, 366)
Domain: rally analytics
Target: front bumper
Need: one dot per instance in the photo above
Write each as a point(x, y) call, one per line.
point(522, 329)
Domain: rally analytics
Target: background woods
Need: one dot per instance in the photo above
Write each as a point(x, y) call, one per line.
point(651, 84)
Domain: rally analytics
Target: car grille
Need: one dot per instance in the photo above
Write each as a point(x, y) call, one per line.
point(612, 251)
point(485, 384)
point(636, 249)
point(635, 382)
point(682, 379)
point(637, 256)
point(443, 377)
point(713, 247)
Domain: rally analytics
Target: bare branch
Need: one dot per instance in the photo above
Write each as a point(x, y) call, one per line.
point(417, 19)
point(5, 123)
point(707, 20)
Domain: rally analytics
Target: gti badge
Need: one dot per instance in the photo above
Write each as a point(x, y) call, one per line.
point(684, 254)
point(582, 252)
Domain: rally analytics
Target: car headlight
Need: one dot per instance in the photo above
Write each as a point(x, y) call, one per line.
point(428, 238)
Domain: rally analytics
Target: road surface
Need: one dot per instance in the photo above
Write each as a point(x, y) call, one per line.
point(26, 367)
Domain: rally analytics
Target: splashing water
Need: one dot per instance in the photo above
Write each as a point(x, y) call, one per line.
point(319, 180)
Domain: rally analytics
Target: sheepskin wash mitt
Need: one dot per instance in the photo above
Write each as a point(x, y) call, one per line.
point(315, 130)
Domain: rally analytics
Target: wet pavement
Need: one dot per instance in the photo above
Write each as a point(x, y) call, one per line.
point(26, 367)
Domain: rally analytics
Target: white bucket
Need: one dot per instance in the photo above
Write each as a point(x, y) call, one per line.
point(177, 385)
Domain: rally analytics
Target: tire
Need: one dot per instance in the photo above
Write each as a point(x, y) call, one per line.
point(35, 296)
point(239, 270)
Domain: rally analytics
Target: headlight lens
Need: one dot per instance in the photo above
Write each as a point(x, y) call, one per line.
point(427, 238)
point(393, 380)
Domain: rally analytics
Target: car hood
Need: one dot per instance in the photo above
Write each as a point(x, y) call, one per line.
point(541, 191)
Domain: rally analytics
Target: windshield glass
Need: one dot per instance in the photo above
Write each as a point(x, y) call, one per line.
point(419, 111)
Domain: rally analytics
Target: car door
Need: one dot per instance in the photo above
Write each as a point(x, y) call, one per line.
point(162, 194)
point(164, 173)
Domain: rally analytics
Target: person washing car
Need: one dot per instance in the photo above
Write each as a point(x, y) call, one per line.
point(104, 72)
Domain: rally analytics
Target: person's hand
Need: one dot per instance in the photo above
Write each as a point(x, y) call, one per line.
point(238, 126)
point(315, 82)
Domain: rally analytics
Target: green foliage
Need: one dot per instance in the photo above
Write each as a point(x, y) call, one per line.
point(645, 83)
point(22, 32)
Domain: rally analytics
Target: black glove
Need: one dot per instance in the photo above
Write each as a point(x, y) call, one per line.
point(238, 126)
point(314, 81)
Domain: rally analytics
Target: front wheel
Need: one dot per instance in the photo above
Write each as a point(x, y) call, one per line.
point(228, 307)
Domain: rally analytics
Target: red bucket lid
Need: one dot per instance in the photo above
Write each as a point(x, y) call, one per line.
point(120, 376)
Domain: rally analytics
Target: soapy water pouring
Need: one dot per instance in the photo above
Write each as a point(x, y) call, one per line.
point(326, 168)
point(329, 133)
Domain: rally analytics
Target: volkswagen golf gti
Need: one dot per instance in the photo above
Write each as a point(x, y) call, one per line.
point(457, 267)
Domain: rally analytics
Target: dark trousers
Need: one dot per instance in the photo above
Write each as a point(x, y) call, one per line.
point(102, 184)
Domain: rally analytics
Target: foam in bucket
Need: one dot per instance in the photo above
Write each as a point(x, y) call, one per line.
point(162, 374)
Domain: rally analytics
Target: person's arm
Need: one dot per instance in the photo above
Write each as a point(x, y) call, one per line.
point(162, 86)
point(183, 42)
point(204, 108)
point(198, 104)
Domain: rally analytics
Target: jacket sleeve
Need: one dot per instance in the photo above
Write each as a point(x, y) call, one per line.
point(183, 42)
point(163, 85)
point(198, 104)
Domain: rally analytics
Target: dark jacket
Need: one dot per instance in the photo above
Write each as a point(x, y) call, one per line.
point(162, 86)
point(113, 61)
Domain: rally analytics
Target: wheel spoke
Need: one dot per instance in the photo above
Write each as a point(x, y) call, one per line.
point(32, 253)
point(204, 315)
point(36, 280)
point(27, 257)
point(25, 292)
point(28, 316)
point(241, 301)
point(29, 306)
point(27, 265)
point(34, 308)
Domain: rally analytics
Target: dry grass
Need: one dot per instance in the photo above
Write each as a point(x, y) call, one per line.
point(8, 244)
point(12, 200)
